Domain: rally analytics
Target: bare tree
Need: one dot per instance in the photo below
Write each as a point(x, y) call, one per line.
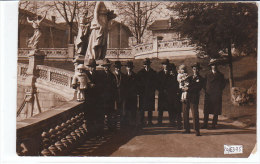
point(137, 15)
point(70, 11)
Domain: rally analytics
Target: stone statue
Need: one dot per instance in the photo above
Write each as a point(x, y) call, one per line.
point(81, 42)
point(34, 40)
point(98, 38)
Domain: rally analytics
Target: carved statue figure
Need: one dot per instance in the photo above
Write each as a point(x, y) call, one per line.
point(98, 38)
point(81, 42)
point(34, 40)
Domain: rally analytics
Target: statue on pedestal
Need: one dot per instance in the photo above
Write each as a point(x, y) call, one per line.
point(34, 40)
point(81, 41)
point(97, 45)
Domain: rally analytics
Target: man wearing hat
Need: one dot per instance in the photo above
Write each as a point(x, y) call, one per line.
point(215, 84)
point(196, 83)
point(95, 113)
point(108, 94)
point(147, 83)
point(167, 88)
point(120, 82)
point(130, 94)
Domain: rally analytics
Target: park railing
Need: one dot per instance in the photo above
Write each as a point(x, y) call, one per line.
point(176, 48)
point(49, 78)
point(66, 54)
point(52, 133)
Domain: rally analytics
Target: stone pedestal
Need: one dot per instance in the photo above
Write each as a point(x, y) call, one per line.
point(71, 51)
point(35, 58)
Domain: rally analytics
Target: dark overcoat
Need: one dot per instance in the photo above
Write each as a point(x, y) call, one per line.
point(168, 88)
point(194, 88)
point(131, 92)
point(108, 92)
point(120, 87)
point(147, 83)
point(215, 84)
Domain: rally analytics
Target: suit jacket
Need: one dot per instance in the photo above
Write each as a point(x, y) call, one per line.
point(147, 83)
point(215, 84)
point(168, 88)
point(108, 92)
point(120, 86)
point(131, 92)
point(195, 85)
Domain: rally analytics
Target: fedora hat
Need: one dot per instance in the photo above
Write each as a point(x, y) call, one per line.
point(197, 65)
point(147, 61)
point(106, 62)
point(165, 61)
point(129, 64)
point(214, 62)
point(92, 63)
point(118, 64)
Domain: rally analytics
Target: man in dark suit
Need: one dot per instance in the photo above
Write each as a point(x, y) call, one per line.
point(147, 83)
point(120, 83)
point(215, 84)
point(130, 94)
point(196, 83)
point(108, 94)
point(167, 87)
point(95, 113)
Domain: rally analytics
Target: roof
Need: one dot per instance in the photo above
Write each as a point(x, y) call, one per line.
point(164, 24)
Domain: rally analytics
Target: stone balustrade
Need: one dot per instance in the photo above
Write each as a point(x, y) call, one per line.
point(51, 79)
point(116, 53)
point(177, 48)
point(52, 133)
point(22, 69)
point(63, 54)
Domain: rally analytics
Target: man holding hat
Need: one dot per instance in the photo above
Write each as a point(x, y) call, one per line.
point(215, 84)
point(130, 94)
point(196, 83)
point(95, 113)
point(120, 80)
point(147, 83)
point(166, 97)
point(108, 94)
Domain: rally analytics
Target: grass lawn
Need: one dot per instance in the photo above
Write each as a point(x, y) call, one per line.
point(245, 75)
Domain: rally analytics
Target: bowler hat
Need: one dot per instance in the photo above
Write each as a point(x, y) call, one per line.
point(197, 65)
point(130, 64)
point(118, 64)
point(92, 63)
point(147, 61)
point(106, 62)
point(166, 62)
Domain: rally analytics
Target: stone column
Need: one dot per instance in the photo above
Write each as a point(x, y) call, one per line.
point(155, 46)
point(71, 51)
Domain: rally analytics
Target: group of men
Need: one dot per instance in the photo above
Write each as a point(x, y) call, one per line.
point(113, 93)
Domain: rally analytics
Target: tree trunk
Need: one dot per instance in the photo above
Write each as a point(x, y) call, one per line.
point(70, 36)
point(231, 78)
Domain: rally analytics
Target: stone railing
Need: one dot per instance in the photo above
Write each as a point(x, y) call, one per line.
point(52, 133)
point(22, 69)
point(51, 79)
point(50, 53)
point(177, 48)
point(123, 53)
point(63, 53)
